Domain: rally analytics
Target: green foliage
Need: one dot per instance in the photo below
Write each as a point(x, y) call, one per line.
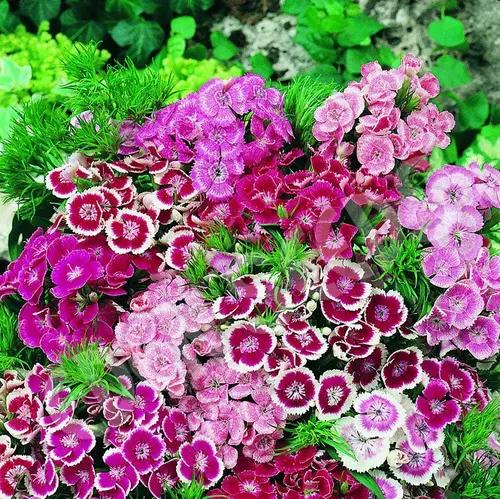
point(10, 345)
point(261, 65)
point(191, 490)
point(224, 49)
point(369, 482)
point(184, 26)
point(220, 238)
point(84, 367)
point(474, 111)
point(447, 32)
point(480, 483)
point(485, 148)
point(451, 72)
point(400, 263)
point(302, 97)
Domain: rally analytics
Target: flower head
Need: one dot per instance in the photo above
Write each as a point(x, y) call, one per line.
point(295, 390)
point(143, 450)
point(403, 369)
point(335, 394)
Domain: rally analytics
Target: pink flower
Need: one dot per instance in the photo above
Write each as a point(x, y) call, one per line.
point(335, 312)
point(73, 272)
point(445, 265)
point(24, 409)
point(310, 344)
point(198, 461)
point(143, 450)
point(248, 291)
point(435, 325)
point(335, 394)
point(71, 443)
point(436, 407)
point(365, 370)
point(414, 214)
point(163, 479)
point(262, 447)
point(355, 340)
point(403, 369)
point(379, 414)
point(264, 414)
point(420, 435)
point(80, 477)
point(12, 471)
point(176, 430)
point(224, 423)
point(130, 232)
point(247, 484)
point(413, 131)
point(85, 213)
point(410, 65)
point(121, 473)
point(453, 226)
point(386, 311)
point(342, 283)
point(461, 304)
point(215, 179)
point(481, 339)
point(375, 153)
point(451, 185)
point(211, 381)
point(420, 466)
point(43, 481)
point(247, 345)
point(60, 180)
point(333, 241)
point(135, 329)
point(295, 390)
point(181, 241)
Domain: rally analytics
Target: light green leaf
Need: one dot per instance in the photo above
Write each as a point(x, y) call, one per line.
point(176, 45)
point(319, 47)
point(224, 49)
point(448, 32)
point(357, 30)
point(369, 482)
point(184, 26)
point(451, 72)
point(12, 76)
point(387, 58)
point(295, 7)
point(142, 37)
point(474, 111)
point(261, 65)
point(40, 10)
point(355, 58)
point(4, 12)
point(441, 157)
point(485, 148)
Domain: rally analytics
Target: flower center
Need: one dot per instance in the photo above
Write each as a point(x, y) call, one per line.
point(249, 345)
point(70, 440)
point(142, 450)
point(200, 461)
point(437, 406)
point(344, 284)
point(74, 273)
point(295, 391)
point(88, 212)
point(400, 368)
point(117, 472)
point(130, 230)
point(381, 312)
point(334, 394)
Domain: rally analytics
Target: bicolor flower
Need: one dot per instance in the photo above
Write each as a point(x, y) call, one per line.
point(71, 443)
point(247, 345)
point(481, 339)
point(85, 213)
point(121, 473)
point(295, 390)
point(144, 450)
point(420, 435)
point(12, 471)
point(403, 369)
point(310, 344)
point(80, 477)
point(355, 340)
point(43, 479)
point(365, 370)
point(436, 406)
point(335, 394)
point(386, 311)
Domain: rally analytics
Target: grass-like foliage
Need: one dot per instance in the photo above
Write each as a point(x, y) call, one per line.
point(10, 346)
point(302, 97)
point(191, 490)
point(400, 263)
point(220, 238)
point(481, 483)
point(84, 367)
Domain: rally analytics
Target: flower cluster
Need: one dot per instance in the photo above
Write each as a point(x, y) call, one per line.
point(229, 285)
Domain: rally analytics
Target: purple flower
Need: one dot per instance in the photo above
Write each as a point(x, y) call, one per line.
point(217, 98)
point(403, 369)
point(163, 479)
point(435, 405)
point(71, 443)
point(43, 480)
point(445, 265)
point(80, 477)
point(369, 452)
point(420, 465)
point(31, 280)
point(375, 153)
point(365, 370)
point(295, 390)
point(414, 214)
point(451, 185)
point(247, 345)
point(481, 339)
point(143, 450)
point(310, 344)
point(73, 272)
point(391, 489)
point(198, 461)
point(216, 178)
point(461, 304)
point(176, 430)
point(379, 414)
point(456, 227)
point(420, 435)
point(335, 394)
point(121, 473)
point(436, 327)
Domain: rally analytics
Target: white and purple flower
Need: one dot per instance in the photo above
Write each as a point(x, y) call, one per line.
point(144, 450)
point(295, 390)
point(403, 370)
point(335, 394)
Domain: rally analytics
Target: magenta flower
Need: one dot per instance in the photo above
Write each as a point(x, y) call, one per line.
point(121, 473)
point(247, 345)
point(369, 452)
point(414, 214)
point(164, 478)
point(391, 489)
point(436, 327)
point(80, 477)
point(216, 179)
point(386, 311)
point(420, 435)
point(143, 450)
point(12, 471)
point(24, 409)
point(43, 480)
point(445, 265)
point(403, 370)
point(73, 272)
point(248, 291)
point(176, 430)
point(459, 381)
point(333, 241)
point(31, 280)
point(198, 461)
point(436, 407)
point(181, 241)
point(456, 227)
point(335, 312)
point(282, 359)
point(335, 394)
point(85, 213)
point(130, 232)
point(342, 283)
point(379, 414)
point(461, 304)
point(356, 340)
point(310, 344)
point(264, 414)
point(295, 390)
point(375, 153)
point(70, 443)
point(481, 339)
point(420, 466)
point(246, 484)
point(365, 370)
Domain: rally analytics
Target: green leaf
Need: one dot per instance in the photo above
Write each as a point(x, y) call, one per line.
point(129, 9)
point(4, 12)
point(184, 26)
point(355, 58)
point(295, 7)
point(190, 6)
point(474, 111)
point(40, 10)
point(441, 157)
point(198, 51)
point(358, 29)
point(369, 482)
point(451, 72)
point(387, 58)
point(7, 114)
point(485, 148)
point(261, 65)
point(176, 45)
point(142, 37)
point(447, 32)
point(83, 31)
point(12, 76)
point(224, 49)
point(319, 47)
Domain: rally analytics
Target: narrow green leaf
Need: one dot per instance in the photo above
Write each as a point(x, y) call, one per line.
point(369, 482)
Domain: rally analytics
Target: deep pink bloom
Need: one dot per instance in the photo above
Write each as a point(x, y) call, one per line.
point(248, 291)
point(294, 390)
point(420, 435)
point(143, 450)
point(386, 311)
point(43, 480)
point(365, 370)
point(459, 381)
point(121, 473)
point(12, 471)
point(181, 241)
point(335, 394)
point(245, 485)
point(355, 340)
point(24, 409)
point(335, 312)
point(198, 460)
point(176, 430)
point(310, 344)
point(163, 478)
point(80, 477)
point(70, 443)
point(436, 407)
point(85, 213)
point(403, 369)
